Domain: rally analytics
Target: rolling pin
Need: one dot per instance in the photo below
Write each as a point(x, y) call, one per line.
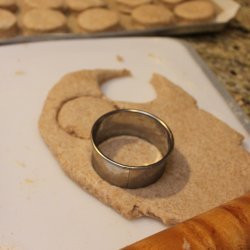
point(226, 227)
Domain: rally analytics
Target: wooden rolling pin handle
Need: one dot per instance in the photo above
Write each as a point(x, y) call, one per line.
point(226, 227)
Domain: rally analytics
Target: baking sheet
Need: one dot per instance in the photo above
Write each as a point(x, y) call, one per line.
point(40, 207)
point(229, 8)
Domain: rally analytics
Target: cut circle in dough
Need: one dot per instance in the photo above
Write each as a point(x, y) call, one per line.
point(72, 115)
point(195, 10)
point(98, 19)
point(140, 151)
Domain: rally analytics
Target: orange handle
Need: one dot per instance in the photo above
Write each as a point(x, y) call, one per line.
point(226, 227)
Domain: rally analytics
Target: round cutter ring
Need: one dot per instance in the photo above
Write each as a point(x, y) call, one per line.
point(133, 123)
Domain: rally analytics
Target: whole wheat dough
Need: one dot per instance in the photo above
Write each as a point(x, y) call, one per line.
point(207, 167)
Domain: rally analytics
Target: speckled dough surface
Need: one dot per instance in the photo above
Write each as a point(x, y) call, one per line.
point(207, 167)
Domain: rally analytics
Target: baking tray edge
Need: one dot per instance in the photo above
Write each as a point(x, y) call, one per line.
point(171, 31)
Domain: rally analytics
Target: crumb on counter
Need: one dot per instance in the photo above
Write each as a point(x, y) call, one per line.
point(20, 164)
point(155, 58)
point(20, 73)
point(28, 181)
point(119, 58)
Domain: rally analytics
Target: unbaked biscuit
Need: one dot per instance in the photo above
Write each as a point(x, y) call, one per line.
point(133, 3)
point(127, 6)
point(31, 4)
point(152, 15)
point(195, 10)
point(73, 25)
point(8, 4)
point(80, 5)
point(171, 3)
point(39, 21)
point(207, 167)
point(98, 19)
point(127, 23)
point(8, 24)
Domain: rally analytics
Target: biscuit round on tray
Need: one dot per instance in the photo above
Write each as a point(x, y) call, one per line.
point(98, 20)
point(72, 24)
point(7, 24)
point(80, 5)
point(127, 6)
point(42, 21)
point(171, 3)
point(8, 4)
point(195, 10)
point(127, 23)
point(31, 4)
point(152, 15)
